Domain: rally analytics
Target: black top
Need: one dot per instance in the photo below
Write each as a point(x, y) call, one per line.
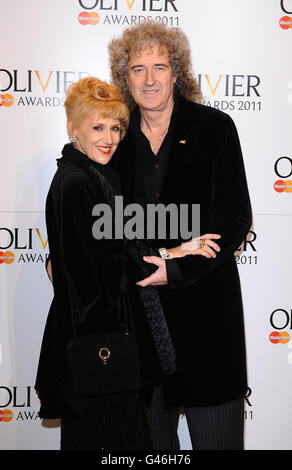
point(205, 167)
point(150, 168)
point(150, 171)
point(90, 282)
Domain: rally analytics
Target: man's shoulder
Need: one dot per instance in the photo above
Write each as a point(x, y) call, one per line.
point(193, 111)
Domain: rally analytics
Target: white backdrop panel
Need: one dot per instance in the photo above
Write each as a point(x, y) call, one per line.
point(241, 58)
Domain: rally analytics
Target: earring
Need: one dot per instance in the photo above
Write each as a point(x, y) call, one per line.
point(72, 139)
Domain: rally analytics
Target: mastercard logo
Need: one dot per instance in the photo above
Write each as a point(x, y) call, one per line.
point(6, 415)
point(277, 337)
point(6, 100)
point(283, 186)
point(6, 257)
point(91, 18)
point(286, 22)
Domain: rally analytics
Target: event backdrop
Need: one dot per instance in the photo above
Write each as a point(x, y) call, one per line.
point(242, 59)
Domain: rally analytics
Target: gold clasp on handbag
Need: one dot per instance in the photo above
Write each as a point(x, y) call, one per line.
point(104, 354)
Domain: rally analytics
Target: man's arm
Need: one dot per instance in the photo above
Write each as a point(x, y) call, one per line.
point(231, 208)
point(168, 272)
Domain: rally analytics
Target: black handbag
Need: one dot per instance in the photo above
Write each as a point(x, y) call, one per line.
point(103, 363)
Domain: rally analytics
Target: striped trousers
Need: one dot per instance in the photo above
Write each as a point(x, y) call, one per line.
point(211, 428)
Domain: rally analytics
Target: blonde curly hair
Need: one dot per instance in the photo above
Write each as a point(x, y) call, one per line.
point(136, 39)
point(91, 93)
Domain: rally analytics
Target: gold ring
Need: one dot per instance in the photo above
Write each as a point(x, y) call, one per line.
point(202, 242)
point(104, 354)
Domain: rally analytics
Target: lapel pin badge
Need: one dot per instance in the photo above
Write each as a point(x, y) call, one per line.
point(182, 141)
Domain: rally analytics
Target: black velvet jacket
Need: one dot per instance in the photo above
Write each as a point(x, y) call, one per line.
point(89, 279)
point(202, 302)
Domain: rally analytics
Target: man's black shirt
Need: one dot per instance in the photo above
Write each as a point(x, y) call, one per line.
point(150, 168)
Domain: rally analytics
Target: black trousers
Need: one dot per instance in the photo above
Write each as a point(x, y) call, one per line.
point(211, 428)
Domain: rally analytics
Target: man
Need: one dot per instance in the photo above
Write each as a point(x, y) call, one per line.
point(180, 151)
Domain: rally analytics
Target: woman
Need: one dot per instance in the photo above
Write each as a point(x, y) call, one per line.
point(94, 291)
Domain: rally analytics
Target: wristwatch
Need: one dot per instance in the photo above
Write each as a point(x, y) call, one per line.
point(163, 253)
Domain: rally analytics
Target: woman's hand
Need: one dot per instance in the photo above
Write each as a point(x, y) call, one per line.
point(49, 270)
point(159, 277)
point(203, 245)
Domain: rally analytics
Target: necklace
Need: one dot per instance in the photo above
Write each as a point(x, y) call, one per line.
point(158, 140)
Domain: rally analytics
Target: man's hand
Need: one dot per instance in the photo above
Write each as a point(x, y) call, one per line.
point(192, 247)
point(159, 278)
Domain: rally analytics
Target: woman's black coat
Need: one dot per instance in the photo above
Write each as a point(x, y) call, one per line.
point(89, 280)
point(203, 306)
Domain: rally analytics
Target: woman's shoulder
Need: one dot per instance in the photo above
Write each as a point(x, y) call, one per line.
point(70, 181)
point(69, 174)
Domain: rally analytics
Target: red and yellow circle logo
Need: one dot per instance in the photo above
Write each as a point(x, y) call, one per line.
point(6, 100)
point(86, 18)
point(283, 186)
point(282, 338)
point(6, 415)
point(286, 22)
point(6, 257)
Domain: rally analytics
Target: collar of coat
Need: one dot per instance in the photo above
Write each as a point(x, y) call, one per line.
point(187, 115)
